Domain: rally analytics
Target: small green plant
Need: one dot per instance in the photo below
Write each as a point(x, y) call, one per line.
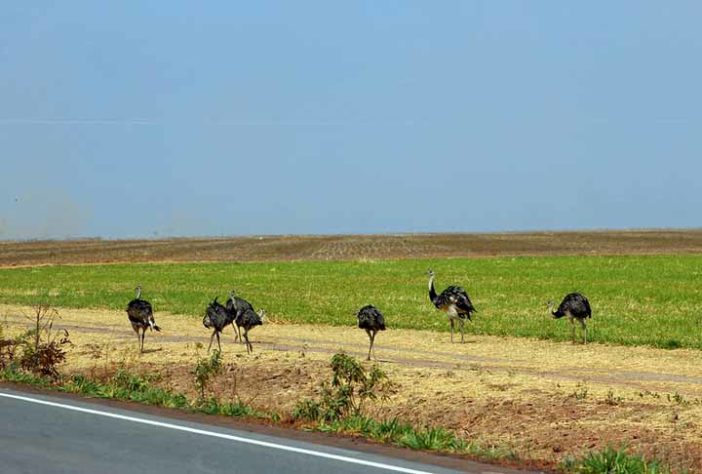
point(580, 392)
point(390, 429)
point(677, 398)
point(205, 370)
point(613, 461)
point(434, 439)
point(613, 399)
point(43, 348)
point(350, 387)
point(307, 409)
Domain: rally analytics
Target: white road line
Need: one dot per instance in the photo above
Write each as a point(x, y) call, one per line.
point(214, 434)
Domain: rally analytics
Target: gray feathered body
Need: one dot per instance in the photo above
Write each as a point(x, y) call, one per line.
point(574, 305)
point(369, 317)
point(141, 315)
point(248, 318)
point(236, 306)
point(454, 300)
point(216, 316)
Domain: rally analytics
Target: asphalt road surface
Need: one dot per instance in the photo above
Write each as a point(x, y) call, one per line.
point(47, 434)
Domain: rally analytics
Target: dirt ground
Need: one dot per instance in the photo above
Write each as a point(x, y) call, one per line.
point(350, 247)
point(541, 399)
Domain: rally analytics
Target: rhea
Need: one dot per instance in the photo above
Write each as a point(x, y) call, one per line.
point(576, 307)
point(248, 319)
point(235, 307)
point(454, 301)
point(371, 319)
point(141, 315)
point(216, 318)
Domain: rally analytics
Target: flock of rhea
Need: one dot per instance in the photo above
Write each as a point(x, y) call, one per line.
point(238, 312)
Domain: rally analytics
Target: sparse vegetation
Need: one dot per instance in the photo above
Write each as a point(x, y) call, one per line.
point(350, 386)
point(613, 461)
point(43, 348)
point(580, 392)
point(40, 349)
point(205, 369)
point(340, 410)
point(613, 399)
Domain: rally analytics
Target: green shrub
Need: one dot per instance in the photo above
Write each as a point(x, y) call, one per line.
point(351, 385)
point(205, 370)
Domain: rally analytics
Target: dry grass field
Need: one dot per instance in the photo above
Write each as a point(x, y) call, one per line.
point(349, 247)
point(543, 400)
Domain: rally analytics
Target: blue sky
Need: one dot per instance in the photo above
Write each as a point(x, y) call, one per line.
point(167, 118)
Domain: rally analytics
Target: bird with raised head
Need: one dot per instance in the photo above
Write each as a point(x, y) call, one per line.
point(371, 319)
point(576, 307)
point(454, 301)
point(141, 316)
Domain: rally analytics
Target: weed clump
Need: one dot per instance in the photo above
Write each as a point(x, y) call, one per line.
point(344, 396)
point(38, 350)
point(205, 370)
point(613, 461)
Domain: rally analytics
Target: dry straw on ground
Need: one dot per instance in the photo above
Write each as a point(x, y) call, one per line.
point(542, 399)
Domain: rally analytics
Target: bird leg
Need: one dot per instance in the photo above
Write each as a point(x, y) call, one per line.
point(136, 330)
point(249, 348)
point(143, 333)
point(584, 325)
point(211, 339)
point(461, 323)
point(371, 336)
point(218, 343)
point(451, 321)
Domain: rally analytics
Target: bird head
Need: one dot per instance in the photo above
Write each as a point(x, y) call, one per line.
point(232, 293)
point(262, 313)
point(550, 305)
point(430, 272)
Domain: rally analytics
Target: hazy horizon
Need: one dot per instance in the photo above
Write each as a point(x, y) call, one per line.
point(170, 119)
point(386, 234)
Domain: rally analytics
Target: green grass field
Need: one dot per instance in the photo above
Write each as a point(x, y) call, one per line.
point(636, 300)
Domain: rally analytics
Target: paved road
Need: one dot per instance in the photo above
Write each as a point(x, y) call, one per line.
point(45, 434)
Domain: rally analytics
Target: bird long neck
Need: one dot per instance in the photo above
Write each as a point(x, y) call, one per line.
point(556, 313)
point(138, 292)
point(432, 291)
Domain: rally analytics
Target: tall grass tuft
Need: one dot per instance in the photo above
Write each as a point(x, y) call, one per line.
point(613, 461)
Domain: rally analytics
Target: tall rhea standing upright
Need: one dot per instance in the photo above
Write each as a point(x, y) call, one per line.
point(454, 301)
point(371, 319)
point(141, 315)
point(574, 306)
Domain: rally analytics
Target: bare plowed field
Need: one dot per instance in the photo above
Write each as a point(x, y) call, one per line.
point(543, 400)
point(351, 247)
